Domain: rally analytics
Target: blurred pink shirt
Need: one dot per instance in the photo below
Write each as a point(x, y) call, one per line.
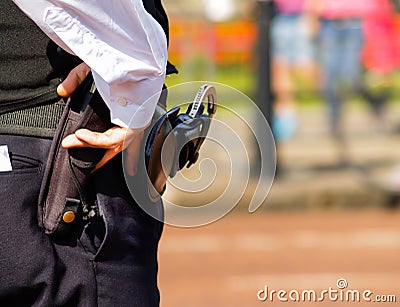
point(332, 9)
point(290, 6)
point(381, 52)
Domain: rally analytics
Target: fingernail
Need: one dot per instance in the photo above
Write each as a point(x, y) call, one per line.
point(61, 90)
point(64, 143)
point(131, 170)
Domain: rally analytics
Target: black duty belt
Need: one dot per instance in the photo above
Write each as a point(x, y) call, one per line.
point(40, 121)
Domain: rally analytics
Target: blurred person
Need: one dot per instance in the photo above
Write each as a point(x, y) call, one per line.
point(381, 57)
point(292, 56)
point(110, 257)
point(339, 42)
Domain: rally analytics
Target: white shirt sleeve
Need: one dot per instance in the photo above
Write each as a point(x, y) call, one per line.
point(123, 44)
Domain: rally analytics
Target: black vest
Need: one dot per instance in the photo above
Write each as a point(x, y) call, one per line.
point(31, 65)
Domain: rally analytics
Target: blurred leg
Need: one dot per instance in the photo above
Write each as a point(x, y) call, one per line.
point(330, 56)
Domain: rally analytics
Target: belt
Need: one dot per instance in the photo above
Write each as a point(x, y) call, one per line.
point(39, 121)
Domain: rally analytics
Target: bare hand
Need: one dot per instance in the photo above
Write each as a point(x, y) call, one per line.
point(114, 140)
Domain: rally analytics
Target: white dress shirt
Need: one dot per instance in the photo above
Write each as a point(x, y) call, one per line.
point(125, 47)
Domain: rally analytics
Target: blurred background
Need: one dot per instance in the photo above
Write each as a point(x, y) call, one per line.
point(326, 75)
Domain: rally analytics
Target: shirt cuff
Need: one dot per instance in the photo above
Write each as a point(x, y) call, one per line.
point(131, 103)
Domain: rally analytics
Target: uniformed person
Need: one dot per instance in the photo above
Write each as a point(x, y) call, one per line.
point(111, 258)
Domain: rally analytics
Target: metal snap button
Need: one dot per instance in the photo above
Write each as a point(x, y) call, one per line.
point(69, 217)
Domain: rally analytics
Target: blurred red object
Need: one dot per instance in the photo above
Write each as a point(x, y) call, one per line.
point(381, 52)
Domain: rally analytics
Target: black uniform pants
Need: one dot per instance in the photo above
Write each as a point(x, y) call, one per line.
point(110, 260)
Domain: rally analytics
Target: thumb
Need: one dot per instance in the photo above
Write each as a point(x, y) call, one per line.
point(133, 154)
